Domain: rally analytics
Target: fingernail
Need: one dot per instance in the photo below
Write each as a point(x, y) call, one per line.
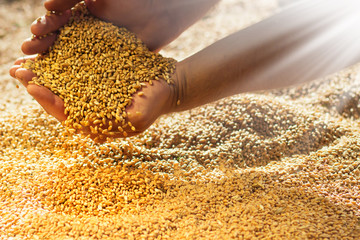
point(40, 20)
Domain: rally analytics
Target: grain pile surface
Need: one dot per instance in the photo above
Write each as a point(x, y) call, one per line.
point(96, 67)
point(277, 165)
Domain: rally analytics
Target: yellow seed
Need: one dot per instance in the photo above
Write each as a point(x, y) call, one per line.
point(77, 126)
point(97, 121)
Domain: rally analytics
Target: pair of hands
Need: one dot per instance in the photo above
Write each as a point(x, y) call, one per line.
point(143, 17)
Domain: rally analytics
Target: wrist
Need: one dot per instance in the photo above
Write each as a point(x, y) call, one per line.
point(176, 102)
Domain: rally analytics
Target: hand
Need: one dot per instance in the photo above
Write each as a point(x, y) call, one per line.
point(155, 22)
point(157, 99)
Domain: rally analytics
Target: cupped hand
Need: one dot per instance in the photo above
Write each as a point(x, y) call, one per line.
point(142, 111)
point(145, 108)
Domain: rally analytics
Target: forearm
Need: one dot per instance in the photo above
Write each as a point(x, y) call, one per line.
point(186, 12)
point(302, 43)
point(177, 17)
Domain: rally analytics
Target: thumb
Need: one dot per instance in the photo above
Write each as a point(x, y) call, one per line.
point(51, 103)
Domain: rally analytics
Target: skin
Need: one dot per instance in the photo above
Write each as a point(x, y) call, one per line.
point(270, 54)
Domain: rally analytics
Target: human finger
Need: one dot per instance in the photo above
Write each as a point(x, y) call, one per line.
point(18, 62)
point(38, 45)
point(50, 23)
point(13, 70)
point(60, 5)
point(24, 75)
point(21, 60)
point(51, 103)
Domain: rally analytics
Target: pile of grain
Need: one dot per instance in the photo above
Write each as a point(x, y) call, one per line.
point(277, 165)
point(295, 174)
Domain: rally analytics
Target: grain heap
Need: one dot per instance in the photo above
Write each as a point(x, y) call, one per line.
point(208, 173)
point(200, 182)
point(96, 67)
